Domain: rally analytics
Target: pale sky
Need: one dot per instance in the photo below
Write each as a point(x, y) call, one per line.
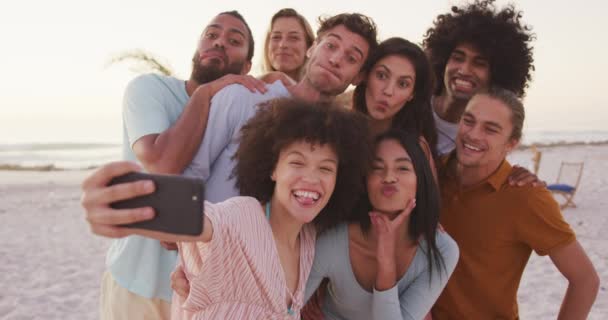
point(56, 86)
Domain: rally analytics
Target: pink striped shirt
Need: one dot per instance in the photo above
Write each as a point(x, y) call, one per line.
point(238, 274)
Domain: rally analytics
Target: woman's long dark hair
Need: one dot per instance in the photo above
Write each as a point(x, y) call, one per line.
point(416, 114)
point(424, 218)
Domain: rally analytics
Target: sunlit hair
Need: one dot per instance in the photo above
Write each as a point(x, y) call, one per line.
point(416, 115)
point(511, 101)
point(355, 22)
point(309, 36)
point(424, 218)
point(250, 41)
point(280, 123)
point(500, 36)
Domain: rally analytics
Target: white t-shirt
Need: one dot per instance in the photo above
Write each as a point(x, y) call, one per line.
point(446, 135)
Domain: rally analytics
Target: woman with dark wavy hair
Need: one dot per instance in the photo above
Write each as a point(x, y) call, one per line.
point(396, 92)
point(390, 261)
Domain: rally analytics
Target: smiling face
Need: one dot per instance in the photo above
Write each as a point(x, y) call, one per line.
point(222, 49)
point(467, 72)
point(287, 45)
point(305, 178)
point(335, 60)
point(390, 85)
point(484, 134)
point(392, 181)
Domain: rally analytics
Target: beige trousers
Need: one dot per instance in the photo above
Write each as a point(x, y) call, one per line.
point(118, 303)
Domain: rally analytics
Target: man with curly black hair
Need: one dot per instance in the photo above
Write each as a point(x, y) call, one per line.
point(470, 49)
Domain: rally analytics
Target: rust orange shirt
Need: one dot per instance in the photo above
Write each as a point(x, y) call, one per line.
point(496, 228)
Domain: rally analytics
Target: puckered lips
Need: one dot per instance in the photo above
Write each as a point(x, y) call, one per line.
point(213, 54)
point(388, 190)
point(306, 197)
point(381, 106)
point(331, 71)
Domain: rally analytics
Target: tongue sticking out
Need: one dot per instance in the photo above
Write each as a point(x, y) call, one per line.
point(305, 200)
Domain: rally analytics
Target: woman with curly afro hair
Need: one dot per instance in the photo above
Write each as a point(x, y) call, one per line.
point(470, 49)
point(299, 170)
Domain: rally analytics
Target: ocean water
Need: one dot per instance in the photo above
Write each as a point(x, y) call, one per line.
point(556, 137)
point(80, 155)
point(59, 155)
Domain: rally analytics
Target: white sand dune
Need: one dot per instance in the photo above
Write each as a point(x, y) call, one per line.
point(51, 264)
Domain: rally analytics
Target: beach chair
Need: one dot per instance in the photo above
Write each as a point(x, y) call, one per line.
point(536, 156)
point(571, 171)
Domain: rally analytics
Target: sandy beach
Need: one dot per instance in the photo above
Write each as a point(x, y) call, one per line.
point(52, 265)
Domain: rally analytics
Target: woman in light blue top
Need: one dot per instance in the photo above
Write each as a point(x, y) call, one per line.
point(390, 261)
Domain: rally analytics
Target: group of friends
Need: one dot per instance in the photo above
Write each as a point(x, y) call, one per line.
point(399, 206)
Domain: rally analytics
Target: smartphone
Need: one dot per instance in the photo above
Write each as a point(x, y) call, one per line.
point(177, 202)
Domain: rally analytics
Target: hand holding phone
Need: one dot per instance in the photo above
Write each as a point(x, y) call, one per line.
point(97, 197)
point(177, 202)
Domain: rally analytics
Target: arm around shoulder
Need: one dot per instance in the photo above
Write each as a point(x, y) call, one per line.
point(172, 149)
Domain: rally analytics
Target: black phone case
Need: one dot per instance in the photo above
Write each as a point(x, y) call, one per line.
point(177, 202)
